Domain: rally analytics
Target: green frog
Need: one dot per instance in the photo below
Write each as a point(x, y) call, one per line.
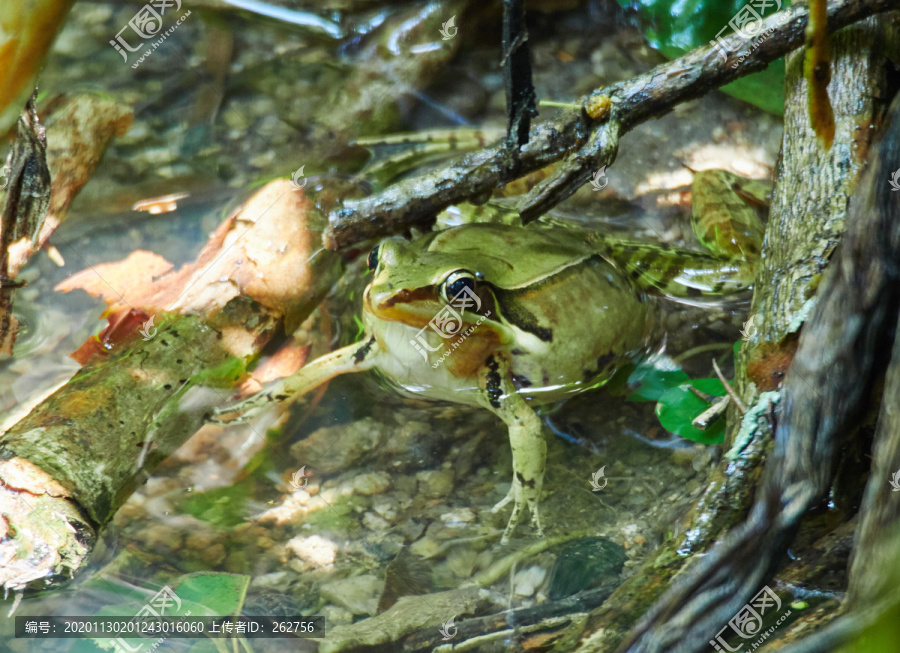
point(508, 317)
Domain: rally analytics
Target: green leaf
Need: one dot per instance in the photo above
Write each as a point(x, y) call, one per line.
point(213, 594)
point(225, 507)
point(678, 406)
point(677, 26)
point(653, 377)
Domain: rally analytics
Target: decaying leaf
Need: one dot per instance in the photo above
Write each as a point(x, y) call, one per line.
point(817, 70)
point(80, 133)
point(263, 251)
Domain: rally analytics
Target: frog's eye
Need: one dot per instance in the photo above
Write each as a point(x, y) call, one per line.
point(373, 259)
point(455, 283)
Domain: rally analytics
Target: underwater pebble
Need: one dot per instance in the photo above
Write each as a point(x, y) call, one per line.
point(526, 581)
point(425, 547)
point(585, 563)
point(372, 483)
point(336, 616)
point(313, 551)
point(461, 562)
point(435, 484)
point(356, 440)
point(386, 511)
point(358, 594)
point(375, 523)
point(458, 517)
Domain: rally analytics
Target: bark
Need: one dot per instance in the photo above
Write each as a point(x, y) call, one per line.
point(810, 199)
point(825, 393)
point(589, 138)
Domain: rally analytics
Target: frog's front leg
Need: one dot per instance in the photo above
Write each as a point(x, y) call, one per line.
point(357, 357)
point(529, 450)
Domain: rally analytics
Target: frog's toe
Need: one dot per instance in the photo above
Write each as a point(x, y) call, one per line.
point(240, 412)
point(500, 505)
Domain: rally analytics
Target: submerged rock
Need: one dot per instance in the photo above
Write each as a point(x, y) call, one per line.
point(583, 564)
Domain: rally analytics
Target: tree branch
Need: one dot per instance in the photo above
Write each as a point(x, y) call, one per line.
point(589, 138)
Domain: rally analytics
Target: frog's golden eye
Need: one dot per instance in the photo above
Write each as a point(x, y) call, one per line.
point(455, 283)
point(373, 259)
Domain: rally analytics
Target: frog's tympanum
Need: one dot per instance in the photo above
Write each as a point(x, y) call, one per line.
point(507, 317)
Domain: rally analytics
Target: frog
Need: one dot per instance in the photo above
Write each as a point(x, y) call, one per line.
point(508, 317)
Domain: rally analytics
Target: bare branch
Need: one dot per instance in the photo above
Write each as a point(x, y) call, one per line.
point(620, 108)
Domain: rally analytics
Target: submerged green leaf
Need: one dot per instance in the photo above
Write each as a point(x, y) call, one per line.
point(653, 377)
point(677, 407)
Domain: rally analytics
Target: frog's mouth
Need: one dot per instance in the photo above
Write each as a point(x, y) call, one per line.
point(415, 307)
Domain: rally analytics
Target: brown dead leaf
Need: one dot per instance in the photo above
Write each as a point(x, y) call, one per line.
point(262, 251)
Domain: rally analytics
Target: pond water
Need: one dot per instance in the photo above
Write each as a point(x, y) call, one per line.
point(394, 495)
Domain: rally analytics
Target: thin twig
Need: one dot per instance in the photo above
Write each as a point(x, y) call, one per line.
point(729, 389)
point(587, 143)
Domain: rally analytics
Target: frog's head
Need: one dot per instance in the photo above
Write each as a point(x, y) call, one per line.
point(413, 283)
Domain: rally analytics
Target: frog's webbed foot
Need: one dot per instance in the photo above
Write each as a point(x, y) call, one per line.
point(353, 358)
point(529, 450)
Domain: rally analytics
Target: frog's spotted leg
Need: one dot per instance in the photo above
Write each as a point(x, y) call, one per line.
point(529, 450)
point(357, 357)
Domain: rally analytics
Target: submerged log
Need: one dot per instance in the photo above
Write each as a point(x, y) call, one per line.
point(69, 464)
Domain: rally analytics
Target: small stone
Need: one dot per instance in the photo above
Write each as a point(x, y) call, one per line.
point(372, 483)
point(358, 594)
point(386, 510)
point(462, 562)
point(526, 581)
point(435, 484)
point(335, 616)
point(424, 547)
point(314, 552)
point(458, 517)
point(375, 523)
